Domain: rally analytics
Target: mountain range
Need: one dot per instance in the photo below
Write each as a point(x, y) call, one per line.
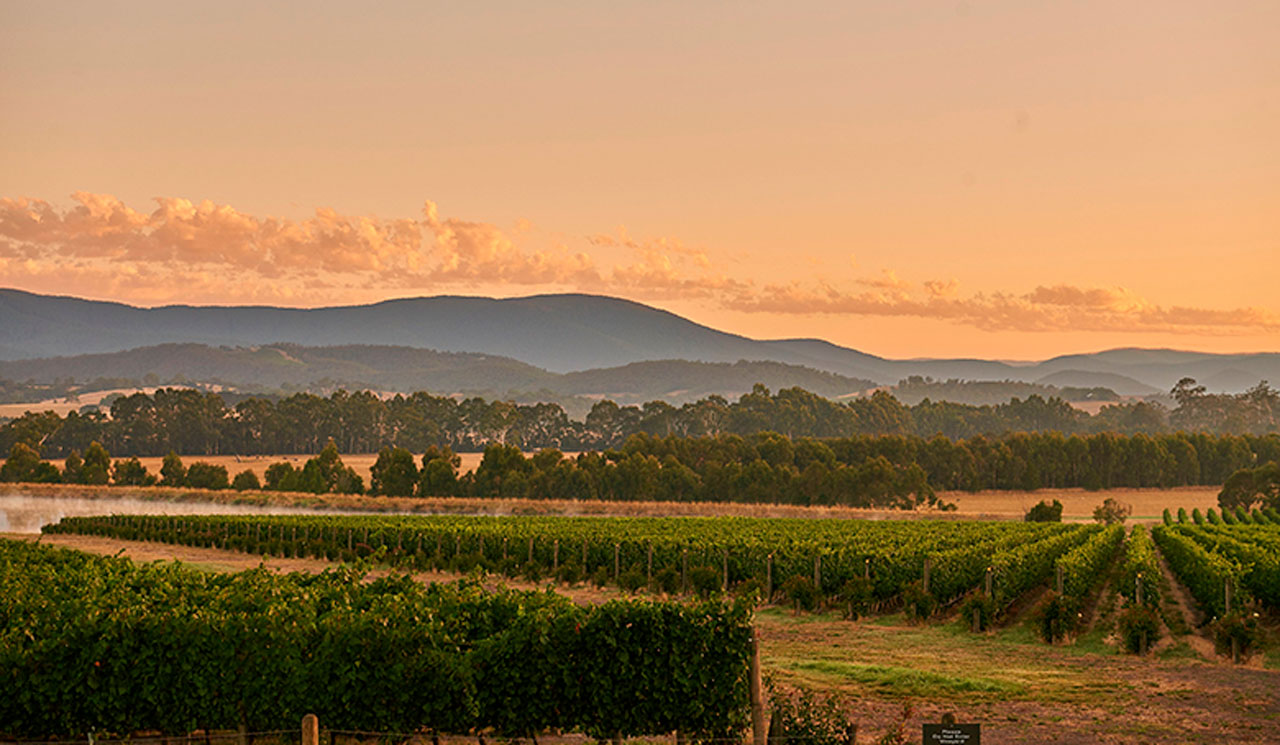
point(570, 343)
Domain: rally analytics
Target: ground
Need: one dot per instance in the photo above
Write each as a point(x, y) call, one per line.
point(1020, 689)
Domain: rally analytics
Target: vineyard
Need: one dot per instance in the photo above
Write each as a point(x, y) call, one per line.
point(769, 556)
point(101, 644)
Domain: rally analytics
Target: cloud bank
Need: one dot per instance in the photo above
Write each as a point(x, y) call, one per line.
point(184, 251)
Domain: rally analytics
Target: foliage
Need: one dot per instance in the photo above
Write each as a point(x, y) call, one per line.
point(131, 472)
point(1250, 486)
point(705, 581)
point(201, 475)
point(856, 595)
point(918, 604)
point(985, 608)
point(1240, 626)
point(1136, 621)
point(172, 472)
point(801, 593)
point(100, 644)
point(246, 480)
point(1111, 511)
point(1044, 512)
point(394, 474)
point(803, 716)
point(1058, 617)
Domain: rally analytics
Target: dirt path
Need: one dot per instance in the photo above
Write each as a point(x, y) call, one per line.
point(1190, 613)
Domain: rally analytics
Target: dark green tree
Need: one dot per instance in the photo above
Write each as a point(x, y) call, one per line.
point(394, 474)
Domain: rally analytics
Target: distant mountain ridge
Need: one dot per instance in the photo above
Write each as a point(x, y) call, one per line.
point(562, 334)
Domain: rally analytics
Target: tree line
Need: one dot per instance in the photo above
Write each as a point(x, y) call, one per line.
point(767, 467)
point(194, 422)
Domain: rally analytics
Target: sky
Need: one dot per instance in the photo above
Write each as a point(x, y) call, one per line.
point(1009, 180)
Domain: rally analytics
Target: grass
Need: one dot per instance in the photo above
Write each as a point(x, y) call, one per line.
point(905, 681)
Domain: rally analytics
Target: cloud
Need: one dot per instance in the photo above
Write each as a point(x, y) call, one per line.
point(189, 251)
point(1044, 309)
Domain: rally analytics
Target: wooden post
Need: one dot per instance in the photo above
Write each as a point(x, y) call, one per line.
point(866, 568)
point(817, 572)
point(724, 571)
point(684, 570)
point(649, 571)
point(1137, 589)
point(977, 620)
point(928, 565)
point(310, 730)
point(555, 555)
point(987, 585)
point(759, 728)
point(1057, 577)
point(1227, 590)
point(616, 549)
point(482, 545)
point(1235, 651)
point(768, 579)
point(584, 554)
point(530, 549)
point(457, 544)
point(504, 548)
point(349, 539)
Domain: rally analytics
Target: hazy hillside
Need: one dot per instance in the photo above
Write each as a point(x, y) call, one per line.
point(290, 366)
point(562, 334)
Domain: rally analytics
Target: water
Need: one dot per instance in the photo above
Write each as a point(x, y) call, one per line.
point(25, 513)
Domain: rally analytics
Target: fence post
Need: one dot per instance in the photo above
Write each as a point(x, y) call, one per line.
point(1227, 590)
point(649, 571)
point(928, 565)
point(1137, 589)
point(310, 730)
point(768, 579)
point(684, 571)
point(616, 549)
point(530, 549)
point(988, 581)
point(555, 555)
point(1057, 577)
point(759, 729)
point(724, 573)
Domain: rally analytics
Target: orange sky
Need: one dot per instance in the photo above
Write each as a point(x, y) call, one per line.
point(994, 179)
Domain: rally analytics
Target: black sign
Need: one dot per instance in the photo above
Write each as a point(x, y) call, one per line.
point(952, 734)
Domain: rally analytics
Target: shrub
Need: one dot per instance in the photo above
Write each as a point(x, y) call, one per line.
point(1111, 512)
point(201, 475)
point(1182, 515)
point(856, 596)
point(750, 589)
point(1133, 622)
point(1242, 627)
point(569, 574)
point(916, 603)
point(1045, 512)
point(532, 571)
point(800, 592)
point(705, 581)
point(1058, 617)
point(631, 580)
point(246, 480)
point(667, 580)
point(808, 719)
point(600, 577)
point(985, 607)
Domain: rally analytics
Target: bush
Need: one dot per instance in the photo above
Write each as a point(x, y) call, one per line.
point(1111, 512)
point(1058, 617)
point(1045, 512)
point(667, 580)
point(916, 603)
point(201, 475)
point(1136, 620)
point(631, 580)
point(1242, 627)
point(985, 607)
point(1182, 515)
point(800, 592)
point(705, 581)
point(569, 574)
point(600, 577)
point(246, 480)
point(532, 571)
point(856, 596)
point(808, 719)
point(750, 589)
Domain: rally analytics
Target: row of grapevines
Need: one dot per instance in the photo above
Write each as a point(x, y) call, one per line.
point(1029, 565)
point(761, 550)
point(1204, 572)
point(1140, 562)
point(1083, 565)
point(1255, 549)
point(96, 644)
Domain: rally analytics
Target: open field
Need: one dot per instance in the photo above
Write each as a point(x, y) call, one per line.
point(1020, 689)
point(1078, 504)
